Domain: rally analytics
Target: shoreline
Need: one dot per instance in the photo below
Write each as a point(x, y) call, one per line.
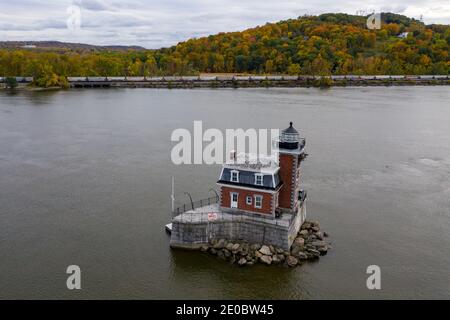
point(190, 82)
point(322, 82)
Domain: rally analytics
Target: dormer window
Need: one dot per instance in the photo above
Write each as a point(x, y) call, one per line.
point(259, 179)
point(234, 176)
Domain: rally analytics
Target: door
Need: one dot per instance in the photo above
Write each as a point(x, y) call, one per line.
point(234, 200)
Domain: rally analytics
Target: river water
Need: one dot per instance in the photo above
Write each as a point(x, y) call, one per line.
point(85, 179)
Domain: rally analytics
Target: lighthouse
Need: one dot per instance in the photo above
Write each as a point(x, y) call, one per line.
point(270, 187)
point(291, 152)
point(260, 199)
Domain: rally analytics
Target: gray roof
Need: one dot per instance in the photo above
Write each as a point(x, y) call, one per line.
point(247, 179)
point(291, 129)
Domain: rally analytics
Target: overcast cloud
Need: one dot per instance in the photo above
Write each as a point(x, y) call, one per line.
point(158, 23)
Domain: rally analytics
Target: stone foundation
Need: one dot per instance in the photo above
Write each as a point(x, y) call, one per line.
point(190, 230)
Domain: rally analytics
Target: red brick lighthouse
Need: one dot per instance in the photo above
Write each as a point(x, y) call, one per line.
point(263, 191)
point(291, 154)
point(269, 187)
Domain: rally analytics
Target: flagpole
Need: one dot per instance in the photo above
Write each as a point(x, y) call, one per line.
point(173, 195)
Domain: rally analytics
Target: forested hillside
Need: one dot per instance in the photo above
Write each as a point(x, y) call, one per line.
point(318, 45)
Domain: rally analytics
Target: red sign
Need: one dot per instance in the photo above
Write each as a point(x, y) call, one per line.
point(212, 216)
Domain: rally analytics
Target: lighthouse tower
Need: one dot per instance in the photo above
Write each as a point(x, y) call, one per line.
point(291, 149)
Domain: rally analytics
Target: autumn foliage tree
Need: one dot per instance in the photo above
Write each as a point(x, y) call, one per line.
point(317, 45)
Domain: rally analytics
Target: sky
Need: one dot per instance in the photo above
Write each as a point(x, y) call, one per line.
point(161, 23)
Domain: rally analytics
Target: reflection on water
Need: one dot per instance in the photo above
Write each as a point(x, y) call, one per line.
point(85, 179)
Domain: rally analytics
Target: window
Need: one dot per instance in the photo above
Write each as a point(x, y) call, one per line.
point(234, 176)
point(259, 179)
point(234, 200)
point(248, 200)
point(258, 202)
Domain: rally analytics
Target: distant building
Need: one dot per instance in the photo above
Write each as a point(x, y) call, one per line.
point(28, 46)
point(403, 35)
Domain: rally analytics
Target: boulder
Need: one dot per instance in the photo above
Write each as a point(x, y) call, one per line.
point(226, 253)
point(281, 257)
point(204, 248)
point(291, 261)
point(299, 242)
point(258, 254)
point(265, 250)
point(235, 247)
point(314, 252)
point(315, 229)
point(242, 251)
point(255, 247)
point(301, 255)
point(295, 250)
point(306, 226)
point(275, 259)
point(325, 234)
point(315, 224)
point(312, 256)
point(309, 241)
point(303, 233)
point(318, 244)
point(229, 246)
point(266, 259)
point(319, 235)
point(219, 244)
point(213, 251)
point(272, 249)
point(279, 250)
point(242, 262)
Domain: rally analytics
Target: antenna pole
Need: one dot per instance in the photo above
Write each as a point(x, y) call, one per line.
point(172, 196)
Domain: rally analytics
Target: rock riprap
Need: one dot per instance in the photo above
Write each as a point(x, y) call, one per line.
point(308, 245)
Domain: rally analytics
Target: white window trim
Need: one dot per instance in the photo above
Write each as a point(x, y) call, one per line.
point(247, 198)
point(237, 175)
point(256, 179)
point(258, 196)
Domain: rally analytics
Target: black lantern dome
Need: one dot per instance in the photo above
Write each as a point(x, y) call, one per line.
point(289, 138)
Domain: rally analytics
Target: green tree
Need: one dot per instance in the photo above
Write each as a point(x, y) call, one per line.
point(294, 69)
point(11, 82)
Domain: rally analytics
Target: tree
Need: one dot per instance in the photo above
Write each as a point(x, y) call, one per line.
point(319, 45)
point(294, 69)
point(320, 66)
point(11, 82)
